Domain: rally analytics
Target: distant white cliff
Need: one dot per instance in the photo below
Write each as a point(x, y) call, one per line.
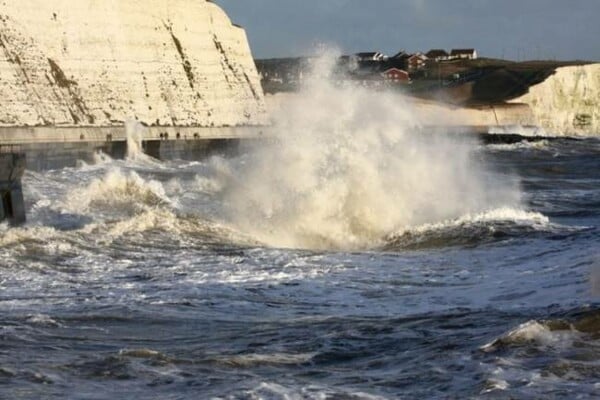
point(101, 63)
point(567, 103)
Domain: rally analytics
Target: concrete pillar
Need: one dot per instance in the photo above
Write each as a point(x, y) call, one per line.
point(12, 205)
point(2, 212)
point(17, 204)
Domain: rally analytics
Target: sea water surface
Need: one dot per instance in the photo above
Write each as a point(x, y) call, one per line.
point(351, 255)
point(127, 282)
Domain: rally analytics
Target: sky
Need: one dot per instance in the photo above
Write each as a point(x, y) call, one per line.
point(511, 29)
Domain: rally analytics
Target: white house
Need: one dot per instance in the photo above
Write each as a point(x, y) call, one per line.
point(463, 54)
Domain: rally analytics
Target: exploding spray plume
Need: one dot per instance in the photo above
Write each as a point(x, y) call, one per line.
point(349, 166)
point(134, 132)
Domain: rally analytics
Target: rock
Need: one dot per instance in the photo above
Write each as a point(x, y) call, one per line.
point(568, 103)
point(102, 63)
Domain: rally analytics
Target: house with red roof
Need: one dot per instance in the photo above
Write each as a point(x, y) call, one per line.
point(396, 75)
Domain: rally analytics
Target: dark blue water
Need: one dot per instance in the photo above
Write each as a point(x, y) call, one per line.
point(119, 287)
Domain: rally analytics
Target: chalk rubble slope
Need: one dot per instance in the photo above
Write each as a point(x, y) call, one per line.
point(101, 63)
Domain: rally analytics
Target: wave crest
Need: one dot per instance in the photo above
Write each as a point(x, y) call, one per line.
point(120, 192)
point(469, 229)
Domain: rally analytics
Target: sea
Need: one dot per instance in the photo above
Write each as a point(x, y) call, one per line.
point(353, 257)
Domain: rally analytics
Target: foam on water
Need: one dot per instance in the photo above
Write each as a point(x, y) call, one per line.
point(101, 158)
point(11, 236)
point(348, 166)
point(521, 130)
point(502, 214)
point(275, 391)
point(249, 360)
point(42, 320)
point(524, 145)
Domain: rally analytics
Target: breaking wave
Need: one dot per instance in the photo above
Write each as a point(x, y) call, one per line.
point(559, 334)
point(118, 191)
point(116, 202)
point(348, 166)
point(470, 229)
point(539, 353)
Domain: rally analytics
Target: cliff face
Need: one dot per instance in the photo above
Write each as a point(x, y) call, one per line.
point(101, 63)
point(567, 103)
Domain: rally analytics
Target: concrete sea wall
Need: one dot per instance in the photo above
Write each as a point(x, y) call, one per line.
point(58, 147)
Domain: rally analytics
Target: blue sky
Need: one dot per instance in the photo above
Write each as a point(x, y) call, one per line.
point(515, 29)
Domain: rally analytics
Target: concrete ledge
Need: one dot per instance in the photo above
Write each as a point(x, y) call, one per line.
point(59, 147)
point(11, 136)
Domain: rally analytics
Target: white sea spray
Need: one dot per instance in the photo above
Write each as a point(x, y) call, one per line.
point(349, 165)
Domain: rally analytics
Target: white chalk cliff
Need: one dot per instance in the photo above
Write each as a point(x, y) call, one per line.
point(567, 103)
point(103, 62)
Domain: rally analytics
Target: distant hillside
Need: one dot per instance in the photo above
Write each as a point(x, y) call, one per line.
point(463, 82)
